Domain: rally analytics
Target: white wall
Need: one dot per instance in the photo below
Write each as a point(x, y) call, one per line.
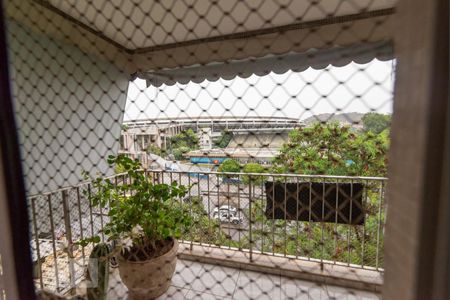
point(69, 108)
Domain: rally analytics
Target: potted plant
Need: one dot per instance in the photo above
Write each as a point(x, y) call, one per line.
point(145, 219)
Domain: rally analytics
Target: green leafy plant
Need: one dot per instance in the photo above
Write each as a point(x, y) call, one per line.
point(186, 138)
point(328, 241)
point(179, 153)
point(119, 169)
point(183, 142)
point(376, 122)
point(229, 165)
point(333, 149)
point(156, 150)
point(143, 216)
point(203, 229)
point(253, 168)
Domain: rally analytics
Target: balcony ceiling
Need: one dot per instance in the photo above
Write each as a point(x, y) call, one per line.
point(151, 39)
point(145, 24)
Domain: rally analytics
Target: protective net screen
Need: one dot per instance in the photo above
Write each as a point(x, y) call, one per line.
point(204, 149)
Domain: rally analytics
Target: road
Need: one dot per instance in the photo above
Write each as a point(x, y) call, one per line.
point(214, 193)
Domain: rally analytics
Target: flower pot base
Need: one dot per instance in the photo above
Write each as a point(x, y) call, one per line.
point(139, 294)
point(149, 279)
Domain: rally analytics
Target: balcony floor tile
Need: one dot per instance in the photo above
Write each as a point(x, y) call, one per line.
point(301, 289)
point(217, 280)
point(175, 293)
point(185, 272)
point(194, 280)
point(204, 296)
point(254, 285)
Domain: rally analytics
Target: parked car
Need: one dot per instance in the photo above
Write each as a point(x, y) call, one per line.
point(225, 208)
point(226, 217)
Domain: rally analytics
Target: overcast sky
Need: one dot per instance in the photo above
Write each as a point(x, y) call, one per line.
point(363, 88)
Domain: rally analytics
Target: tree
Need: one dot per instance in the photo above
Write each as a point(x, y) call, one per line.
point(186, 138)
point(376, 122)
point(153, 149)
point(184, 142)
point(180, 152)
point(333, 150)
point(230, 165)
point(253, 168)
point(224, 139)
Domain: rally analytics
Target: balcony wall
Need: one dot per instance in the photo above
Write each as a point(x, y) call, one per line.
point(69, 107)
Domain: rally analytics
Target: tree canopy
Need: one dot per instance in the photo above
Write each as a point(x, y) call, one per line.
point(224, 139)
point(253, 168)
point(156, 150)
point(183, 142)
point(229, 165)
point(376, 122)
point(186, 138)
point(333, 150)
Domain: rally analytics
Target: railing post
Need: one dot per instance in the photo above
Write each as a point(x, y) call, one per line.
point(52, 230)
point(36, 237)
point(250, 218)
point(69, 239)
point(191, 245)
point(80, 217)
point(379, 221)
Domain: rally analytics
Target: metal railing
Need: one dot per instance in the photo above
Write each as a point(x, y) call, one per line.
point(240, 211)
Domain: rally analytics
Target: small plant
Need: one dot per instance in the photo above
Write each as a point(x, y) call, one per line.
point(143, 217)
point(253, 168)
point(229, 165)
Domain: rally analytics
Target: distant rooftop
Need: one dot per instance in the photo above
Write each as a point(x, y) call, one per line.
point(235, 152)
point(211, 118)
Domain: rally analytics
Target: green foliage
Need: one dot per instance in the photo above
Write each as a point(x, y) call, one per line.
point(229, 165)
point(119, 169)
point(333, 150)
point(376, 122)
point(140, 213)
point(156, 150)
point(203, 228)
point(253, 168)
point(124, 127)
point(186, 138)
point(328, 241)
point(183, 142)
point(224, 139)
point(179, 153)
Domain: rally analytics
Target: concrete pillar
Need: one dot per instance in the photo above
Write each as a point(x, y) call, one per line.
point(416, 234)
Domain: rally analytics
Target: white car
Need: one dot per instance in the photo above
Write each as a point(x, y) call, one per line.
point(226, 217)
point(225, 208)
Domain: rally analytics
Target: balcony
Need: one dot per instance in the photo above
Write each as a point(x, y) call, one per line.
point(66, 74)
point(239, 246)
point(194, 280)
